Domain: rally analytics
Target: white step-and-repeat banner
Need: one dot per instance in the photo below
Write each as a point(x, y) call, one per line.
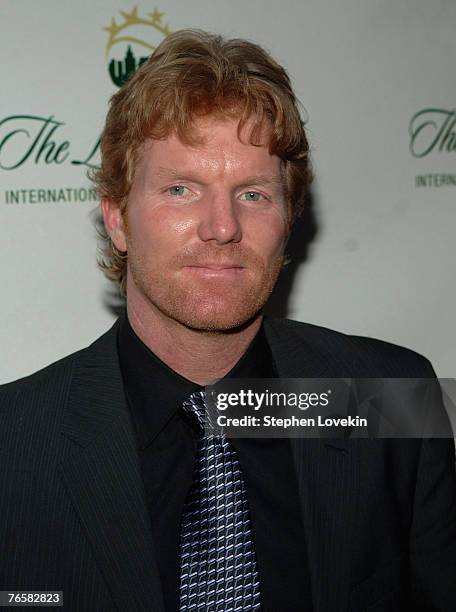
point(375, 254)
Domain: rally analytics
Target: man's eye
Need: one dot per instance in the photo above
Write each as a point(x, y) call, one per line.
point(252, 196)
point(177, 190)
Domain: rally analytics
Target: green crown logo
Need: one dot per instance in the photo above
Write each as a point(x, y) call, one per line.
point(121, 70)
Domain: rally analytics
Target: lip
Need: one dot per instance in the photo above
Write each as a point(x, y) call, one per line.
point(209, 270)
point(216, 267)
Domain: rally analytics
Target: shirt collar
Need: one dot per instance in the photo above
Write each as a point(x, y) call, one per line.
point(155, 392)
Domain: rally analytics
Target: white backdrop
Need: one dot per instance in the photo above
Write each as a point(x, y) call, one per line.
point(377, 81)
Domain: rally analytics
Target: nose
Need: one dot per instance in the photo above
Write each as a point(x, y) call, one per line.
point(220, 220)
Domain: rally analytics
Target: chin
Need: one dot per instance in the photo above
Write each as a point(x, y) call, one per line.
point(222, 323)
point(215, 313)
point(212, 318)
point(214, 308)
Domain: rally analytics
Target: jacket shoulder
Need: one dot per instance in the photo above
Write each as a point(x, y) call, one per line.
point(49, 386)
point(369, 357)
point(40, 398)
point(62, 368)
point(49, 374)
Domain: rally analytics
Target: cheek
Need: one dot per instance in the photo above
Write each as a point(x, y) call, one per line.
point(158, 231)
point(277, 245)
point(270, 237)
point(182, 226)
point(142, 231)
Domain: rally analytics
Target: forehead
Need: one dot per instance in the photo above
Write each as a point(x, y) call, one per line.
point(215, 146)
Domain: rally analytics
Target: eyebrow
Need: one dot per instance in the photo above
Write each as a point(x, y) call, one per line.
point(261, 179)
point(165, 172)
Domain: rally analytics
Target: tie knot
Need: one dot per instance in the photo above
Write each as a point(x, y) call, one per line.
point(195, 407)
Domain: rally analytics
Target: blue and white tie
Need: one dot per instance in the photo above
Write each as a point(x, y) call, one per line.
point(218, 564)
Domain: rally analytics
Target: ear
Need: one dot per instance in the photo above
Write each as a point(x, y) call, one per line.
point(114, 223)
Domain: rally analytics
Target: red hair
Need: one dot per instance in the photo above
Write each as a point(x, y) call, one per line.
point(192, 74)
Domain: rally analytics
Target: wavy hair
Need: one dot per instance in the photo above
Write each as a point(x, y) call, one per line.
point(193, 74)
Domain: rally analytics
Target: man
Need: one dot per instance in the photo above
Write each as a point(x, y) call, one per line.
point(204, 168)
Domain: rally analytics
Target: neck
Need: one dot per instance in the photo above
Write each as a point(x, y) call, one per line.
point(199, 356)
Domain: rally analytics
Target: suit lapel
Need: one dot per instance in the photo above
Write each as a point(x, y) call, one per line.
point(327, 472)
point(102, 476)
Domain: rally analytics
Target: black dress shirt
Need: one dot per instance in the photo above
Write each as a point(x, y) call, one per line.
point(167, 442)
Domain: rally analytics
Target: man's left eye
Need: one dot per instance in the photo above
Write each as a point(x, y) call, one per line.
point(252, 196)
point(177, 190)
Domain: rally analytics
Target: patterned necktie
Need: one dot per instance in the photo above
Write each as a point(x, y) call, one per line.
point(218, 564)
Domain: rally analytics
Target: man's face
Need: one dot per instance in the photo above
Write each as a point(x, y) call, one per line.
point(205, 228)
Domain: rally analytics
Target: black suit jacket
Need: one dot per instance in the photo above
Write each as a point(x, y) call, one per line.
point(379, 515)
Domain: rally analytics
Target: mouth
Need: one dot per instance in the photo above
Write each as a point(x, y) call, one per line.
point(217, 266)
point(216, 269)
